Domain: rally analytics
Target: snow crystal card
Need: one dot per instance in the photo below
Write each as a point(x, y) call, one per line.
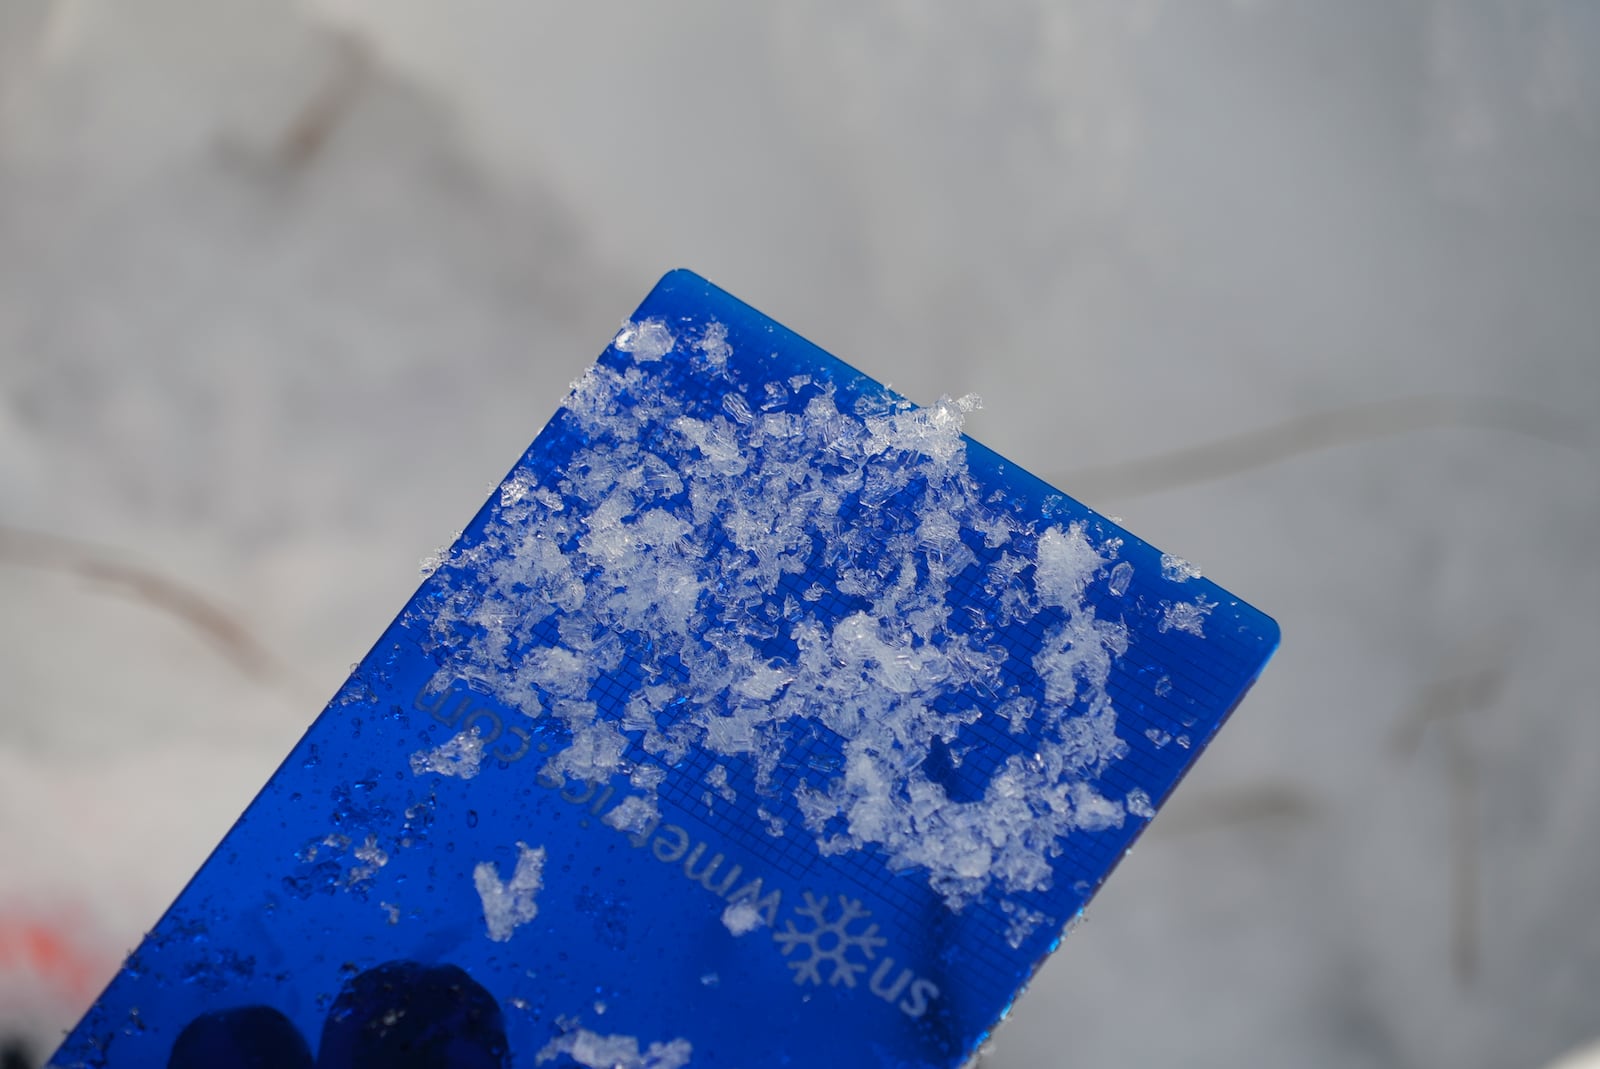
point(759, 718)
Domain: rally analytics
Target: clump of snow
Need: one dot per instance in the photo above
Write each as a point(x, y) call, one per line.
point(430, 564)
point(772, 822)
point(1022, 922)
point(1138, 803)
point(772, 565)
point(1187, 616)
point(934, 432)
point(509, 904)
point(1095, 812)
point(363, 859)
point(742, 917)
point(647, 341)
point(1066, 564)
point(714, 344)
point(461, 755)
point(635, 814)
point(1178, 570)
point(647, 777)
point(515, 488)
point(596, 1051)
point(717, 780)
point(1017, 711)
point(371, 856)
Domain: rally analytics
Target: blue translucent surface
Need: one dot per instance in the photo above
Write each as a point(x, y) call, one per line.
point(356, 888)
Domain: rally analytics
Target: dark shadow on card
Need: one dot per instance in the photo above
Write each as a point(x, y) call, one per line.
point(403, 1015)
point(250, 1037)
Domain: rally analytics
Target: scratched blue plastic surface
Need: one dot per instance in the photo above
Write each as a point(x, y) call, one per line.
point(629, 937)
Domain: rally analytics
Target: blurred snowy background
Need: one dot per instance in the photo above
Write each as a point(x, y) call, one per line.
point(1308, 293)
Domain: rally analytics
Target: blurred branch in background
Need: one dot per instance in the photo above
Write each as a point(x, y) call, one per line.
point(1444, 702)
point(305, 134)
point(222, 631)
point(310, 129)
point(1266, 446)
point(1276, 801)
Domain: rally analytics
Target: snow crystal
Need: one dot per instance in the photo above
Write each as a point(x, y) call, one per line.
point(934, 431)
point(1017, 711)
point(648, 341)
point(717, 780)
point(428, 565)
point(509, 904)
point(741, 917)
point(648, 777)
point(1121, 576)
point(1178, 570)
point(372, 858)
point(770, 565)
point(595, 751)
point(1023, 922)
point(595, 1051)
point(1066, 563)
point(514, 489)
point(738, 409)
point(635, 815)
point(461, 755)
point(714, 344)
point(1186, 616)
point(1095, 812)
point(1138, 803)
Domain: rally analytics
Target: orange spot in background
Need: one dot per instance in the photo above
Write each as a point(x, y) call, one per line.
point(48, 955)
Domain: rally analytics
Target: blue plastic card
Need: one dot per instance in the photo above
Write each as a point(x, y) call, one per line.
point(759, 718)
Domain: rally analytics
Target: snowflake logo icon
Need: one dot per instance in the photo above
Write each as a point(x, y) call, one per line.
point(829, 941)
